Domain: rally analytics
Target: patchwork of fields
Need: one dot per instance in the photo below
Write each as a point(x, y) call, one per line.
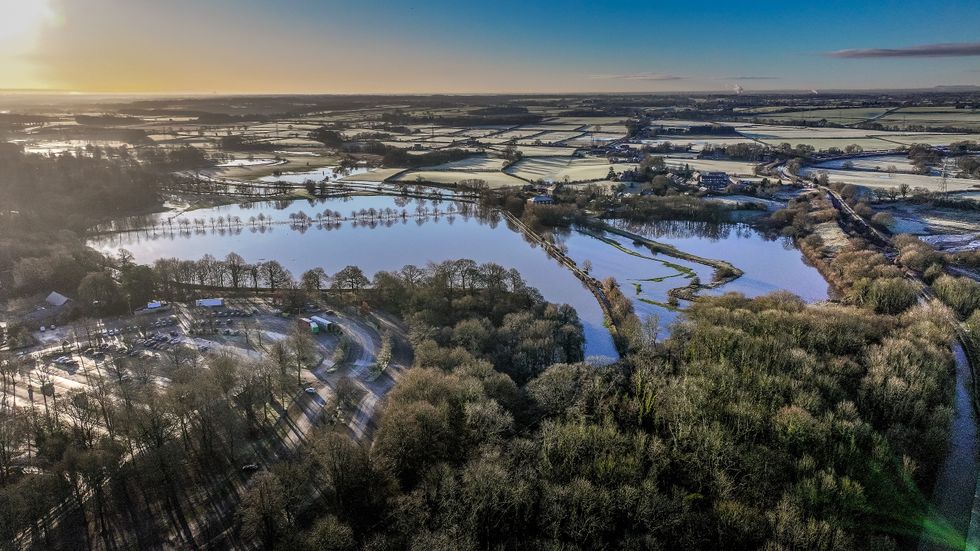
point(548, 146)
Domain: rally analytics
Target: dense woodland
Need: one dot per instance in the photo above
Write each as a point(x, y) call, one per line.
point(48, 204)
point(157, 456)
point(759, 423)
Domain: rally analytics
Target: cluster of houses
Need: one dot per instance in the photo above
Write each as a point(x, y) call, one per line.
point(618, 153)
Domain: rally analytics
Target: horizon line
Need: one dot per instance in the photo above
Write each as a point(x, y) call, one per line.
point(721, 91)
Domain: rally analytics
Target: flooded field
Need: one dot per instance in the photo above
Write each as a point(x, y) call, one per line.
point(769, 265)
point(374, 245)
point(385, 233)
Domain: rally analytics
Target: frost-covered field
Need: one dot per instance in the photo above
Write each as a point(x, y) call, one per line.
point(885, 180)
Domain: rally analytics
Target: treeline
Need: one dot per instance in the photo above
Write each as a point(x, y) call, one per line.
point(391, 156)
point(697, 130)
point(969, 165)
point(397, 157)
point(185, 157)
point(238, 142)
point(106, 120)
point(571, 204)
point(226, 118)
point(923, 156)
point(671, 207)
point(475, 118)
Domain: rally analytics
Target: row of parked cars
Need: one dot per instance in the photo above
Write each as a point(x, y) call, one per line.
point(233, 313)
point(160, 342)
point(115, 331)
point(165, 322)
point(99, 351)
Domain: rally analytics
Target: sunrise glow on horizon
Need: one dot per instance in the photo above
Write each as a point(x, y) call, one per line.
point(302, 46)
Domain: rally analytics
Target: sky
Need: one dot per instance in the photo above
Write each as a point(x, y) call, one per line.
point(498, 46)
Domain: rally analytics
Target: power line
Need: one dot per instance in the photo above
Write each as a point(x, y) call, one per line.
point(944, 179)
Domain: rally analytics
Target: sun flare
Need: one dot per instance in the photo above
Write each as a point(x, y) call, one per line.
point(20, 20)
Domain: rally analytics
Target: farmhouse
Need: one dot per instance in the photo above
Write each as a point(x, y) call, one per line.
point(713, 180)
point(541, 200)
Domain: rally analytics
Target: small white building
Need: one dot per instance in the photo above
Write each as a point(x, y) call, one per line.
point(57, 299)
point(153, 305)
point(210, 302)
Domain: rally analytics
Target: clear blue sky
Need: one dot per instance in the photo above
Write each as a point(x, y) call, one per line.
point(498, 46)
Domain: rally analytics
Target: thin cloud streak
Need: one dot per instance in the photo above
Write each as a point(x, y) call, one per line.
point(954, 49)
point(749, 77)
point(639, 76)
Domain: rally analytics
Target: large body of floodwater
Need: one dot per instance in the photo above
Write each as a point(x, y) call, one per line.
point(768, 264)
point(373, 246)
point(385, 233)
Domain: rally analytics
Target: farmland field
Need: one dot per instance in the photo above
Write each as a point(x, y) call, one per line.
point(931, 139)
point(934, 117)
point(842, 116)
point(824, 144)
point(549, 138)
point(539, 168)
point(736, 168)
point(775, 132)
point(900, 163)
point(293, 163)
point(592, 121)
point(555, 169)
point(541, 151)
point(885, 180)
point(476, 162)
point(452, 177)
point(376, 175)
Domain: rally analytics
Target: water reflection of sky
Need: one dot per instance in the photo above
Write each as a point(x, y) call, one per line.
point(406, 236)
point(373, 247)
point(769, 264)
